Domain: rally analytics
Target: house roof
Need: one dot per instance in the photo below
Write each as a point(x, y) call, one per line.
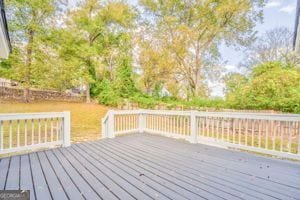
point(4, 36)
point(296, 41)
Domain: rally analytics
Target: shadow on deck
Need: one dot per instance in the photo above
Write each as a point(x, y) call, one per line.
point(142, 166)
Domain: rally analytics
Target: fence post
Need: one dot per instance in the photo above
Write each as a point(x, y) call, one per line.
point(111, 124)
point(66, 129)
point(142, 121)
point(193, 127)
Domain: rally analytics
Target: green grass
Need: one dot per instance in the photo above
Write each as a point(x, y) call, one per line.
point(85, 118)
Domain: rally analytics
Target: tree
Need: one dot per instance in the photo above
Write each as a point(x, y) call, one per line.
point(272, 85)
point(97, 30)
point(274, 45)
point(191, 31)
point(124, 83)
point(155, 63)
point(29, 22)
point(235, 85)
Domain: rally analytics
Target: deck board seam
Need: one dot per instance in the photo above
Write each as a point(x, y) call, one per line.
point(159, 149)
point(93, 174)
point(129, 174)
point(106, 175)
point(56, 175)
point(237, 171)
point(68, 174)
point(170, 181)
point(39, 162)
point(123, 177)
point(33, 184)
point(175, 164)
point(8, 168)
point(210, 186)
point(149, 138)
point(80, 175)
point(20, 165)
point(138, 179)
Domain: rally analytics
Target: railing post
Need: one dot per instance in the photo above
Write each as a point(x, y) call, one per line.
point(298, 138)
point(142, 121)
point(111, 124)
point(66, 129)
point(103, 129)
point(193, 127)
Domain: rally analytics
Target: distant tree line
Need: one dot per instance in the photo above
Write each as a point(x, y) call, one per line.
point(160, 51)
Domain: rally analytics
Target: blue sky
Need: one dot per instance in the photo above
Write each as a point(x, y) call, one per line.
point(277, 13)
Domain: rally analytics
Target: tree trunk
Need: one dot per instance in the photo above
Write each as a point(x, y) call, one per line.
point(87, 93)
point(28, 66)
point(26, 95)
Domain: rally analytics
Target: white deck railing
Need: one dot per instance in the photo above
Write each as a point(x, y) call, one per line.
point(274, 134)
point(28, 131)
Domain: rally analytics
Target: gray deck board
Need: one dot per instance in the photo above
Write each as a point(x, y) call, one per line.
point(25, 176)
point(71, 189)
point(144, 166)
point(4, 167)
point(185, 185)
point(216, 186)
point(40, 183)
point(12, 182)
point(211, 171)
point(54, 184)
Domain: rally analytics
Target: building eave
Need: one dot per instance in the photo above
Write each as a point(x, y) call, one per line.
point(296, 40)
point(4, 35)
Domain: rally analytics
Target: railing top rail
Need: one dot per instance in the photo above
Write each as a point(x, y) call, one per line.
point(20, 116)
point(241, 115)
point(126, 112)
point(250, 116)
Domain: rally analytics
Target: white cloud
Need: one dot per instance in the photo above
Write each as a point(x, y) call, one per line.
point(288, 9)
point(273, 4)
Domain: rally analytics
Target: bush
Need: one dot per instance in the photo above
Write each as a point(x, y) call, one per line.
point(144, 101)
point(107, 94)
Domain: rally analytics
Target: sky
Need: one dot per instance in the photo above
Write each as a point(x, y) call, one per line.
point(277, 13)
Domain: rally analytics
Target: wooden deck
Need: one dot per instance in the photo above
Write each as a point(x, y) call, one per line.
point(142, 166)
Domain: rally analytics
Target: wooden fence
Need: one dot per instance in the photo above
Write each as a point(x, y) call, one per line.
point(274, 134)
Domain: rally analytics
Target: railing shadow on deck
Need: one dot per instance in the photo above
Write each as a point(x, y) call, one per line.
point(273, 134)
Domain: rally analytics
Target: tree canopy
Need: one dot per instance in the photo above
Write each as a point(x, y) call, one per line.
point(158, 52)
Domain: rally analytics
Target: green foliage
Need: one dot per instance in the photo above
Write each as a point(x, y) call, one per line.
point(124, 83)
point(113, 92)
point(29, 24)
point(177, 50)
point(183, 38)
point(272, 85)
point(107, 93)
point(144, 101)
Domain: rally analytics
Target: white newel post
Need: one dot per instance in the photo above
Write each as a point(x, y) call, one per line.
point(103, 129)
point(193, 127)
point(66, 129)
point(298, 139)
point(142, 122)
point(111, 124)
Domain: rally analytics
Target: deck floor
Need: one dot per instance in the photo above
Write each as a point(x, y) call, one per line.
point(143, 166)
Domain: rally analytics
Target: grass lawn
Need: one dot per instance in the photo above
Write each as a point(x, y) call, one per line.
point(85, 118)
